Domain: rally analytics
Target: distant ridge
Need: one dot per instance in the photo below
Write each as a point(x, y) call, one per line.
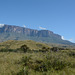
point(10, 32)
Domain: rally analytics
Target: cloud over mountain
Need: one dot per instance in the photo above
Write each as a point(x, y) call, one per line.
point(1, 25)
point(42, 28)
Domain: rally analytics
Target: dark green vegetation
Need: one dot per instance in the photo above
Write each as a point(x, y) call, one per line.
point(9, 32)
point(32, 58)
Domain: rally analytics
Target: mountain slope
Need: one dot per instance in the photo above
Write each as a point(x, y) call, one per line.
point(9, 32)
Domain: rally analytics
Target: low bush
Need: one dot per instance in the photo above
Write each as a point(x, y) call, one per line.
point(8, 50)
point(24, 48)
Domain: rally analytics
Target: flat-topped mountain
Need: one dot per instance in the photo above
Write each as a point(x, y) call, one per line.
point(10, 32)
point(26, 31)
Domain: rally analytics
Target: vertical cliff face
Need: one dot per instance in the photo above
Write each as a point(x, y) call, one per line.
point(9, 32)
point(44, 33)
point(27, 31)
point(17, 29)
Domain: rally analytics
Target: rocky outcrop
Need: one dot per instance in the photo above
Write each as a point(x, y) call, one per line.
point(27, 31)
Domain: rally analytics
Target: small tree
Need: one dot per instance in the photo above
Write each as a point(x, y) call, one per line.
point(24, 48)
point(45, 49)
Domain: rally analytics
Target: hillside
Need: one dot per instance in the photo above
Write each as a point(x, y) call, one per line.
point(13, 44)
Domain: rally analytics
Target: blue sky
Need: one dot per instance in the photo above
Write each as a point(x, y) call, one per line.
point(55, 15)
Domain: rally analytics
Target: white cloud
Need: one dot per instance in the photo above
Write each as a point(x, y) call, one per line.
point(72, 40)
point(24, 26)
point(42, 28)
point(1, 25)
point(62, 37)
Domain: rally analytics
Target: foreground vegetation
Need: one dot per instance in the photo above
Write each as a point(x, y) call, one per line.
point(32, 58)
point(41, 62)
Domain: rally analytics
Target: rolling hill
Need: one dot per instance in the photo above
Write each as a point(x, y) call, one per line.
point(14, 44)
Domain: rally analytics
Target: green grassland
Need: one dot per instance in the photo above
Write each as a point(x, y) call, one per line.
point(35, 62)
point(10, 63)
point(14, 44)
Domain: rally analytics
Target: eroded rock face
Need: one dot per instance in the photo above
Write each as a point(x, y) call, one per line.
point(27, 31)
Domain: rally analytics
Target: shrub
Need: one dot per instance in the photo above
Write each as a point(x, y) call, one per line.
point(8, 50)
point(24, 48)
point(23, 71)
point(39, 66)
point(55, 49)
point(72, 54)
point(25, 60)
point(44, 49)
